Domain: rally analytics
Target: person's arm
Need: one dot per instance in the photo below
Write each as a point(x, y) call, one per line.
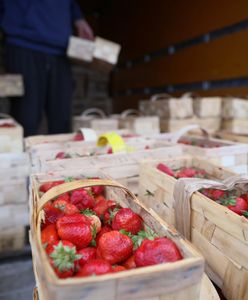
point(83, 28)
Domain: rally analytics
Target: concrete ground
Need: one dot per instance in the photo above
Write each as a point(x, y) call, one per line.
point(16, 277)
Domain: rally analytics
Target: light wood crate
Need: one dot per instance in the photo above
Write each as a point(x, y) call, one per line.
point(81, 49)
point(207, 107)
point(170, 125)
point(11, 85)
point(146, 125)
point(167, 107)
point(166, 281)
point(228, 154)
point(12, 239)
point(237, 126)
point(234, 108)
point(238, 138)
point(11, 138)
point(14, 172)
point(218, 233)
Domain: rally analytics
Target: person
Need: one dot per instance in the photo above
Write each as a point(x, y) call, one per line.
point(36, 34)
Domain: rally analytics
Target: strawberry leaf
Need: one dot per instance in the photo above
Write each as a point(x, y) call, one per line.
point(245, 213)
point(88, 212)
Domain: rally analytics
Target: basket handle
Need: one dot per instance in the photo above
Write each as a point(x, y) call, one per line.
point(178, 134)
point(129, 112)
point(159, 96)
point(94, 111)
point(77, 184)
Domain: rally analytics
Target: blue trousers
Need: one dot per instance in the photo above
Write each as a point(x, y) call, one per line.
point(48, 88)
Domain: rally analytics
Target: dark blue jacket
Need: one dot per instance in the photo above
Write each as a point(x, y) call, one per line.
point(42, 25)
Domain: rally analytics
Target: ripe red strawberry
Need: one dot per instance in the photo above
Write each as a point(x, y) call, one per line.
point(78, 137)
point(95, 222)
point(163, 168)
point(237, 205)
point(245, 197)
point(52, 214)
point(48, 185)
point(110, 151)
point(128, 220)
point(118, 268)
point(60, 155)
point(214, 194)
point(82, 199)
point(130, 263)
point(186, 172)
point(66, 207)
point(99, 198)
point(157, 251)
point(103, 230)
point(87, 254)
point(65, 197)
point(102, 206)
point(63, 259)
point(95, 267)
point(78, 232)
point(114, 247)
point(49, 235)
point(98, 189)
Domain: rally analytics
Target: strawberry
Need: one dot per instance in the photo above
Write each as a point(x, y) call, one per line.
point(103, 230)
point(78, 137)
point(130, 263)
point(49, 235)
point(126, 219)
point(186, 172)
point(109, 214)
point(94, 220)
point(237, 205)
point(48, 185)
point(82, 199)
point(78, 232)
point(65, 207)
point(102, 206)
point(87, 254)
point(245, 197)
point(63, 259)
point(214, 194)
point(52, 214)
point(118, 268)
point(60, 155)
point(163, 168)
point(157, 251)
point(114, 247)
point(95, 267)
point(110, 151)
point(99, 198)
point(65, 197)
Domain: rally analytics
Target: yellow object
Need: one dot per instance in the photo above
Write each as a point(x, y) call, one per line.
point(114, 140)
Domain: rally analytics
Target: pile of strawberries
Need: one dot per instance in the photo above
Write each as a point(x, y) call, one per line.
point(230, 199)
point(85, 234)
point(182, 172)
point(202, 144)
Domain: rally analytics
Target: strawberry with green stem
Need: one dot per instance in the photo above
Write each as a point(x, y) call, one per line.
point(95, 267)
point(127, 220)
point(237, 205)
point(63, 258)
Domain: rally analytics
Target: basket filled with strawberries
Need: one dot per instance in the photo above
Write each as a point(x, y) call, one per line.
point(208, 205)
point(92, 238)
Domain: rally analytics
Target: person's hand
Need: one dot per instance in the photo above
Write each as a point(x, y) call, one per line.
point(84, 30)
